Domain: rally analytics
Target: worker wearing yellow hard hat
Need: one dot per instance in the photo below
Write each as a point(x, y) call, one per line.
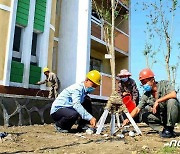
point(73, 102)
point(53, 81)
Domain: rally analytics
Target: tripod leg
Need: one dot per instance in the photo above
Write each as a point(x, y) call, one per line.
point(118, 120)
point(102, 121)
point(138, 131)
point(112, 124)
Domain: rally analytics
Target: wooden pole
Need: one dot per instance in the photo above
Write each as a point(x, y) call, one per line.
point(112, 49)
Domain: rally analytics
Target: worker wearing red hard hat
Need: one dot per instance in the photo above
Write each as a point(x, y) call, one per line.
point(159, 102)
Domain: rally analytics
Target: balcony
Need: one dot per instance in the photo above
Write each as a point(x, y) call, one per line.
point(97, 33)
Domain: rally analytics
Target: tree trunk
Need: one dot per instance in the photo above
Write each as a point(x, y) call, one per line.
point(112, 49)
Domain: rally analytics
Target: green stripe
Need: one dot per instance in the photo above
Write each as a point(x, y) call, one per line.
point(35, 74)
point(17, 70)
point(22, 12)
point(40, 13)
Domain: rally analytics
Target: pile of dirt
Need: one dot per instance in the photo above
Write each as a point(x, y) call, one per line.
point(44, 139)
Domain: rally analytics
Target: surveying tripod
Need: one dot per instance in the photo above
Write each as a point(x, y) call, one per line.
point(115, 107)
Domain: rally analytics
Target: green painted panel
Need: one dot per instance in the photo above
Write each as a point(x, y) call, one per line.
point(39, 17)
point(39, 22)
point(22, 21)
point(40, 13)
point(22, 12)
point(35, 74)
point(39, 28)
point(17, 70)
point(43, 4)
point(41, 1)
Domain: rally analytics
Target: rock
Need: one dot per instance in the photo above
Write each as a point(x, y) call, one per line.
point(105, 135)
point(120, 135)
point(89, 131)
point(145, 147)
point(131, 133)
point(134, 152)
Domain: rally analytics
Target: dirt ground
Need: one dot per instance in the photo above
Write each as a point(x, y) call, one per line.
point(44, 139)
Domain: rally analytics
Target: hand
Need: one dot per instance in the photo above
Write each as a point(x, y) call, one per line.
point(125, 122)
point(93, 122)
point(38, 83)
point(125, 93)
point(155, 106)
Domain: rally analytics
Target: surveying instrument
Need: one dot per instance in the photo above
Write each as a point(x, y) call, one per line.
point(115, 107)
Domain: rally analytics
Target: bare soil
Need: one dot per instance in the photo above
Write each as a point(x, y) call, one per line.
point(44, 139)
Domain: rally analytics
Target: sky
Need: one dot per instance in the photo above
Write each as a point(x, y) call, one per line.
point(138, 39)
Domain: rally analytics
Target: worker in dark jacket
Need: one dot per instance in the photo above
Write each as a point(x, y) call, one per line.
point(53, 81)
point(160, 104)
point(127, 86)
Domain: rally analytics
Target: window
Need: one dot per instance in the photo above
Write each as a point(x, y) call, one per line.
point(33, 49)
point(95, 14)
point(17, 44)
point(95, 64)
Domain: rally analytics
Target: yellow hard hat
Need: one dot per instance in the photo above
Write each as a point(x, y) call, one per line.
point(45, 69)
point(94, 76)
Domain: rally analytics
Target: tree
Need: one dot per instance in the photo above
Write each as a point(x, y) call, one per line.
point(107, 11)
point(160, 39)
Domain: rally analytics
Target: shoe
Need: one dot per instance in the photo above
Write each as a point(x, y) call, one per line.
point(60, 130)
point(82, 128)
point(167, 133)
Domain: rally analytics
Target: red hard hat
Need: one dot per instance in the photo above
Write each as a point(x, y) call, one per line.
point(145, 73)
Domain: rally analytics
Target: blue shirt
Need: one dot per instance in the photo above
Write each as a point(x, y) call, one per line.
point(72, 97)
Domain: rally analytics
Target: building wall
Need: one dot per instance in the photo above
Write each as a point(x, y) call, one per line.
point(74, 41)
point(4, 28)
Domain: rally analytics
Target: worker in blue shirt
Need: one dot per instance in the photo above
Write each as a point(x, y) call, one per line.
point(71, 103)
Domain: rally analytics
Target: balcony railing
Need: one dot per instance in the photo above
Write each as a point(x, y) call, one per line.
point(121, 38)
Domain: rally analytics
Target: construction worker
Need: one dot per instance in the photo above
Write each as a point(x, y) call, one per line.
point(127, 86)
point(53, 81)
point(160, 104)
point(128, 89)
point(73, 102)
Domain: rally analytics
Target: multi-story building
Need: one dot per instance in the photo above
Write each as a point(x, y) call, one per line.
point(63, 35)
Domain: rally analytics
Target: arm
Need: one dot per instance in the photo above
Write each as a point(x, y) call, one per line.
point(135, 92)
point(133, 114)
point(76, 98)
point(56, 81)
point(163, 99)
point(41, 82)
point(120, 89)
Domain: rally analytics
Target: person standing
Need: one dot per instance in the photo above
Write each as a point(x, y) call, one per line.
point(160, 104)
point(53, 81)
point(73, 102)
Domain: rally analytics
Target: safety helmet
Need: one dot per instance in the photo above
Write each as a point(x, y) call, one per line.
point(94, 76)
point(145, 74)
point(45, 69)
point(124, 72)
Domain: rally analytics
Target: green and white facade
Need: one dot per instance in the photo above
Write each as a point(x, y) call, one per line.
point(27, 40)
point(60, 34)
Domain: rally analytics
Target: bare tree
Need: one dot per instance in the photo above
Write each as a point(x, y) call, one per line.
point(160, 26)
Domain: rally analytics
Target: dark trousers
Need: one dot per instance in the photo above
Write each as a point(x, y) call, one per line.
point(167, 115)
point(65, 118)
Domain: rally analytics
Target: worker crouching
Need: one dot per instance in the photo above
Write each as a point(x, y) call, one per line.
point(73, 102)
point(160, 104)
